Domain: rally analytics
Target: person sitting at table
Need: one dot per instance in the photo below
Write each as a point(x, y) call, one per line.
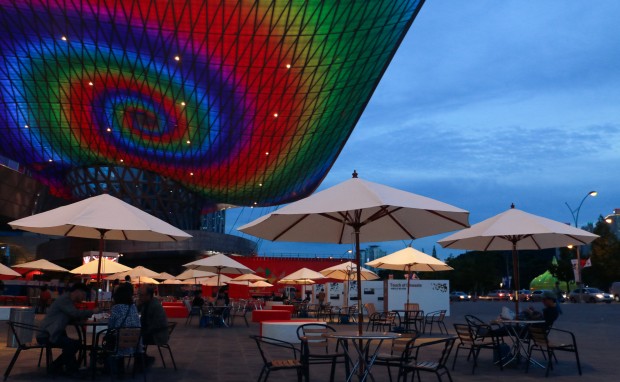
point(153, 319)
point(198, 301)
point(124, 314)
point(53, 329)
point(550, 311)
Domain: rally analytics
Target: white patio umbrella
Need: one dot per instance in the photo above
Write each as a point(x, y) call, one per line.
point(346, 272)
point(358, 211)
point(164, 276)
point(6, 271)
point(101, 267)
point(219, 264)
point(41, 265)
point(102, 217)
point(297, 282)
point(517, 230)
point(410, 260)
point(260, 284)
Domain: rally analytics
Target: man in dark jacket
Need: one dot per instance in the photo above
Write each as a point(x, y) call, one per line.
point(60, 314)
point(153, 318)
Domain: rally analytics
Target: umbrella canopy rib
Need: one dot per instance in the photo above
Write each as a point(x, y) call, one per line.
point(291, 226)
point(405, 230)
point(436, 213)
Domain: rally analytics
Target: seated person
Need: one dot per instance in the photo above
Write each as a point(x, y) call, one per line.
point(124, 313)
point(550, 311)
point(60, 314)
point(198, 301)
point(153, 318)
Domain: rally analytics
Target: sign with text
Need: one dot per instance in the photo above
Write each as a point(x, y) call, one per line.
point(432, 295)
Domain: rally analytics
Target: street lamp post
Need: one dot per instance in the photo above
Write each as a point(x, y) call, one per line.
point(575, 214)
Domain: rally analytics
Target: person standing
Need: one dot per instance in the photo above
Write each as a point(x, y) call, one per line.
point(558, 295)
point(321, 297)
point(53, 329)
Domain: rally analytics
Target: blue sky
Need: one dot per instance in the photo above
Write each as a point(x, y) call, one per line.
point(487, 103)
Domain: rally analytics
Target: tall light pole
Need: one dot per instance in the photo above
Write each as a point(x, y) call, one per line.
point(575, 214)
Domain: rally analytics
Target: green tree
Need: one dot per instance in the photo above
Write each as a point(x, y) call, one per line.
point(605, 258)
point(563, 268)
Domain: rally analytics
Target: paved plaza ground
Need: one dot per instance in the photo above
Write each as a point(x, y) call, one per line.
point(228, 354)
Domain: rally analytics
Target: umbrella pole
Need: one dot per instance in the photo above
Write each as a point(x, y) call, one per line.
point(102, 234)
point(515, 274)
point(408, 284)
point(358, 256)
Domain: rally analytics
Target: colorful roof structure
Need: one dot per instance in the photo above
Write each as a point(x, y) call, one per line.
point(243, 102)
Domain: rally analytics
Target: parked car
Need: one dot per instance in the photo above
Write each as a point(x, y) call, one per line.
point(590, 295)
point(499, 294)
point(459, 296)
point(524, 294)
point(536, 296)
point(614, 290)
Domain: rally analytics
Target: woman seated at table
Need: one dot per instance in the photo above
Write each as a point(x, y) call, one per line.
point(124, 313)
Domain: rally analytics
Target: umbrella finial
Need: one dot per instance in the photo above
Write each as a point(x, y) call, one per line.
point(354, 174)
point(512, 205)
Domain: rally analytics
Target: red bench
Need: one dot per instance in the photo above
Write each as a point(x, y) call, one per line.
point(264, 315)
point(175, 311)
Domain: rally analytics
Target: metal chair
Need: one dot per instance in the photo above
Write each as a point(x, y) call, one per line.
point(539, 339)
point(239, 309)
point(23, 334)
point(315, 348)
point(128, 345)
point(398, 355)
point(192, 311)
point(436, 317)
point(274, 354)
point(424, 360)
point(468, 341)
point(171, 327)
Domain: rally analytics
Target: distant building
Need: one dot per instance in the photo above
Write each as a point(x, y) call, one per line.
point(371, 253)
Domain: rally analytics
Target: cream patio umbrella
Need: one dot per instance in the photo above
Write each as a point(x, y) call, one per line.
point(6, 271)
point(515, 230)
point(260, 284)
point(214, 281)
point(358, 211)
point(346, 272)
point(178, 282)
point(410, 260)
point(138, 271)
point(195, 274)
point(101, 217)
point(103, 266)
point(246, 279)
point(41, 265)
point(219, 264)
point(144, 280)
point(164, 276)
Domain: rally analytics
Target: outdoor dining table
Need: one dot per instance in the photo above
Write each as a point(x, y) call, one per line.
point(411, 316)
point(517, 332)
point(364, 357)
point(93, 325)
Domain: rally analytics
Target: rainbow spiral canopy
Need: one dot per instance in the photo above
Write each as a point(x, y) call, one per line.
point(244, 102)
